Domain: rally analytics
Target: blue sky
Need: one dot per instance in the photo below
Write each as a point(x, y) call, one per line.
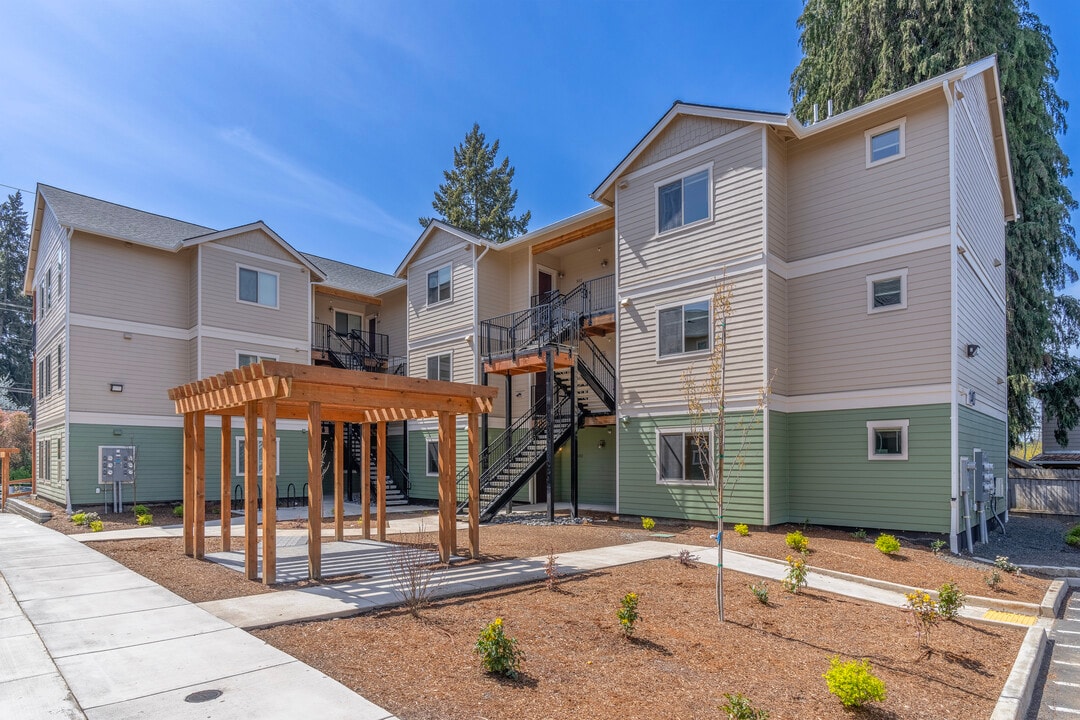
point(333, 121)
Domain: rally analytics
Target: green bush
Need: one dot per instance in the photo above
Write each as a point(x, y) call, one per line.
point(761, 592)
point(178, 511)
point(936, 546)
point(739, 707)
point(742, 530)
point(146, 519)
point(627, 613)
point(22, 473)
point(96, 526)
point(797, 541)
point(79, 518)
point(648, 523)
point(853, 682)
point(950, 600)
point(498, 652)
point(887, 544)
point(1072, 538)
point(141, 510)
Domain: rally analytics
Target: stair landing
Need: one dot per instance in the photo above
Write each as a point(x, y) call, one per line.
point(599, 324)
point(526, 364)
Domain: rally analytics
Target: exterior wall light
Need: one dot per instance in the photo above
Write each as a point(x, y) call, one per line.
point(116, 387)
point(972, 350)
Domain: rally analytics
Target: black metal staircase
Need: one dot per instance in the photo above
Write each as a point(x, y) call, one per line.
point(356, 350)
point(397, 476)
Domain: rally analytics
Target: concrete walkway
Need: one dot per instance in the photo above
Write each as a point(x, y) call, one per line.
point(81, 636)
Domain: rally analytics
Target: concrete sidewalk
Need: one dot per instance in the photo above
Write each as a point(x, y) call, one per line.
point(81, 636)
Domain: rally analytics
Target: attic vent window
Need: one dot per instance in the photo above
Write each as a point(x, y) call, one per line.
point(885, 143)
point(683, 201)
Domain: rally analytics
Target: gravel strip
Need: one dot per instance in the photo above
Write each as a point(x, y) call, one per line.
point(1032, 540)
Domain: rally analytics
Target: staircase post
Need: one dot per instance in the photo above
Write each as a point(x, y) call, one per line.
point(550, 358)
point(509, 410)
point(573, 443)
point(484, 417)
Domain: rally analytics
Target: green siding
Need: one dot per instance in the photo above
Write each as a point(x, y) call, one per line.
point(976, 430)
point(422, 485)
point(640, 494)
point(53, 488)
point(160, 462)
point(779, 470)
point(596, 468)
point(833, 483)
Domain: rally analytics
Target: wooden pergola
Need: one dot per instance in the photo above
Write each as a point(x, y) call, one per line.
point(5, 476)
point(272, 390)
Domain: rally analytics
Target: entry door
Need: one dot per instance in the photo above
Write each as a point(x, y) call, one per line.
point(545, 283)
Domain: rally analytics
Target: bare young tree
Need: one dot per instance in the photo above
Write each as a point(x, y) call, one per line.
point(412, 567)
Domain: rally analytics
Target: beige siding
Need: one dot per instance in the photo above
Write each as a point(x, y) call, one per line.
point(980, 321)
point(778, 368)
point(322, 305)
point(146, 365)
point(646, 379)
point(57, 461)
point(462, 361)
point(51, 247)
point(449, 316)
point(111, 279)
point(521, 288)
point(835, 202)
point(222, 309)
point(493, 284)
point(776, 201)
point(684, 132)
point(735, 229)
point(835, 345)
point(50, 409)
point(221, 355)
point(584, 260)
point(440, 240)
point(258, 242)
point(392, 321)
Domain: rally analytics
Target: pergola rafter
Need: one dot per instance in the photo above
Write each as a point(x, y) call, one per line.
point(273, 390)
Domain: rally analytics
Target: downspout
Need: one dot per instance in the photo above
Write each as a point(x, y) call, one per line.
point(954, 424)
point(476, 313)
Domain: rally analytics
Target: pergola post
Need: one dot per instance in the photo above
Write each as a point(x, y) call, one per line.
point(226, 487)
point(189, 484)
point(5, 477)
point(269, 485)
point(474, 487)
point(199, 519)
point(315, 494)
point(251, 490)
point(365, 479)
point(447, 488)
point(339, 481)
point(380, 474)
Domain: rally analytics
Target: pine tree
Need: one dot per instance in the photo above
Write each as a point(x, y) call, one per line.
point(15, 327)
point(477, 195)
point(856, 51)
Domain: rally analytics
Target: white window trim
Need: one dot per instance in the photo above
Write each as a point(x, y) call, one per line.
point(277, 276)
point(873, 132)
point(238, 453)
point(872, 425)
point(877, 277)
point(427, 444)
point(439, 354)
point(690, 353)
point(259, 355)
point(667, 181)
point(450, 299)
point(707, 482)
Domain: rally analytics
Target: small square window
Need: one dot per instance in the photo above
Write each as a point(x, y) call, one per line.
point(438, 285)
point(257, 286)
point(885, 143)
point(886, 291)
point(681, 458)
point(432, 457)
point(439, 367)
point(887, 439)
point(684, 329)
point(683, 201)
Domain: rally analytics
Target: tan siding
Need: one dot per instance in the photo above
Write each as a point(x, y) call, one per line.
point(323, 303)
point(392, 321)
point(521, 288)
point(457, 313)
point(221, 355)
point(221, 309)
point(258, 242)
point(734, 231)
point(777, 197)
point(440, 240)
point(493, 285)
point(584, 261)
point(835, 345)
point(778, 334)
point(51, 246)
point(462, 362)
point(835, 202)
point(150, 286)
point(980, 321)
point(684, 132)
point(50, 409)
point(146, 365)
point(647, 379)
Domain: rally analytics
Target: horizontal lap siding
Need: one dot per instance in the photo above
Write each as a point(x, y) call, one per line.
point(146, 365)
point(51, 245)
point(457, 314)
point(221, 308)
point(258, 242)
point(835, 202)
point(50, 408)
point(980, 321)
point(421, 485)
point(734, 231)
point(494, 285)
point(977, 430)
point(835, 345)
point(779, 368)
point(392, 321)
point(833, 483)
point(777, 197)
point(641, 494)
point(646, 379)
point(53, 488)
point(779, 468)
point(596, 468)
point(683, 133)
point(221, 355)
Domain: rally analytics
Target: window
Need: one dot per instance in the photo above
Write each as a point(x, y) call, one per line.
point(48, 375)
point(684, 201)
point(45, 460)
point(60, 273)
point(886, 291)
point(438, 285)
point(257, 286)
point(60, 366)
point(41, 379)
point(432, 457)
point(887, 439)
point(345, 323)
point(438, 367)
point(249, 358)
point(48, 291)
point(885, 143)
point(241, 459)
point(684, 328)
point(681, 458)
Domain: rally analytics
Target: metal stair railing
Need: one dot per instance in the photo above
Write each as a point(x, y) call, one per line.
point(529, 331)
point(598, 372)
point(396, 472)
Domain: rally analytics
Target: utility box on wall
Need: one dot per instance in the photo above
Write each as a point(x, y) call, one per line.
point(116, 464)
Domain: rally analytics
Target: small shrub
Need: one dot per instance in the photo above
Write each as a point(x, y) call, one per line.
point(686, 558)
point(648, 523)
point(1072, 538)
point(797, 541)
point(499, 653)
point(936, 546)
point(887, 544)
point(79, 518)
point(742, 530)
point(950, 600)
point(761, 592)
point(859, 534)
point(992, 579)
point(739, 707)
point(141, 510)
point(146, 519)
point(924, 613)
point(853, 683)
point(1002, 563)
point(412, 571)
point(628, 613)
point(96, 526)
point(795, 576)
point(551, 569)
point(178, 511)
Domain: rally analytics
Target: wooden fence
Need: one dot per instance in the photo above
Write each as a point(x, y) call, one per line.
point(1044, 490)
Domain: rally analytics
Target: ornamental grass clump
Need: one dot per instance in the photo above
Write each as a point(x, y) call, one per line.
point(853, 683)
point(797, 542)
point(499, 653)
point(628, 613)
point(888, 544)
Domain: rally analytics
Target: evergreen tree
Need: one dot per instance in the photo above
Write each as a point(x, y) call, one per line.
point(15, 326)
point(856, 51)
point(476, 195)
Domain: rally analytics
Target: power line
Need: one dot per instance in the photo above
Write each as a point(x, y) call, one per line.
point(12, 187)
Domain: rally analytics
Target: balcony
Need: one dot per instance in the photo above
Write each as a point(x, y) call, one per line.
point(355, 350)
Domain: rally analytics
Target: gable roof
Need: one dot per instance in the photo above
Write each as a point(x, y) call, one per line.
point(429, 231)
point(257, 225)
point(354, 278)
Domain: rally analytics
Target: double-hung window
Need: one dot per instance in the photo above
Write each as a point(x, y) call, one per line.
point(886, 291)
point(432, 465)
point(257, 286)
point(682, 458)
point(439, 367)
point(885, 143)
point(684, 328)
point(683, 201)
point(438, 285)
point(887, 439)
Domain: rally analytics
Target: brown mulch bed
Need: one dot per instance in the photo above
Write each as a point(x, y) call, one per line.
point(161, 512)
point(679, 664)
